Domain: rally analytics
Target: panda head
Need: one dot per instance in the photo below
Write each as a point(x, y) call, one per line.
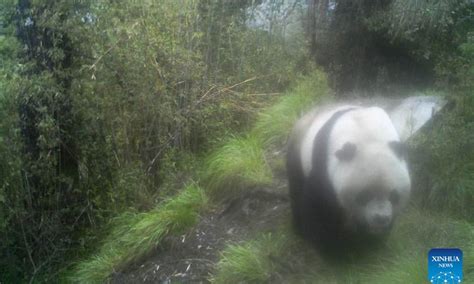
point(372, 183)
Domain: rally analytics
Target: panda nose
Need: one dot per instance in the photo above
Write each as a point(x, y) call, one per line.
point(382, 220)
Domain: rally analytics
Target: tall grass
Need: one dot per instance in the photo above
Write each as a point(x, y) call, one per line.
point(250, 262)
point(408, 247)
point(136, 234)
point(275, 122)
point(239, 164)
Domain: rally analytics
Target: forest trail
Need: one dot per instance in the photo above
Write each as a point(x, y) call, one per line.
point(191, 258)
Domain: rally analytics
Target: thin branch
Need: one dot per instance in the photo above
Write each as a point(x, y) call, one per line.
point(93, 66)
point(27, 245)
point(189, 110)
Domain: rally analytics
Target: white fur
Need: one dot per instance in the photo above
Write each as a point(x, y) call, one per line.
point(374, 165)
point(316, 121)
point(370, 129)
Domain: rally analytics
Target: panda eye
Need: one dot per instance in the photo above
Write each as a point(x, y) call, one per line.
point(363, 197)
point(394, 197)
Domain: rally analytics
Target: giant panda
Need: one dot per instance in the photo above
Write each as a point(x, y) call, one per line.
point(348, 175)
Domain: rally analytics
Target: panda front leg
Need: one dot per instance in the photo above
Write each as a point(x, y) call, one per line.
point(311, 214)
point(297, 205)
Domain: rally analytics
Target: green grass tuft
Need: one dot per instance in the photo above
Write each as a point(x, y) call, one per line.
point(137, 234)
point(274, 123)
point(250, 262)
point(239, 164)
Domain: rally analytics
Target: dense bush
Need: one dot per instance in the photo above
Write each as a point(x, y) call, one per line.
point(445, 153)
point(100, 101)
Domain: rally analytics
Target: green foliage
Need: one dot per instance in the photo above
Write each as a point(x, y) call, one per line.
point(134, 235)
point(432, 31)
point(237, 165)
point(444, 154)
point(384, 46)
point(250, 262)
point(10, 160)
point(105, 105)
point(444, 166)
point(234, 52)
point(275, 122)
point(408, 20)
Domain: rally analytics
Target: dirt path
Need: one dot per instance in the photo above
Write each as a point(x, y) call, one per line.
point(191, 258)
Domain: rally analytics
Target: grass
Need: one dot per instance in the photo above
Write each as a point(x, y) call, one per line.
point(249, 262)
point(239, 164)
point(405, 260)
point(134, 235)
point(285, 258)
point(275, 122)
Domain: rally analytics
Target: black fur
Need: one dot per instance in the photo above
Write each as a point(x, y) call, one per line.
point(398, 148)
point(317, 214)
point(347, 152)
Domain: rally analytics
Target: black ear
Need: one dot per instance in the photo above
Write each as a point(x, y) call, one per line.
point(399, 148)
point(347, 152)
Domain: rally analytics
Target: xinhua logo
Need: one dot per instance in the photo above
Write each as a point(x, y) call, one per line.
point(445, 266)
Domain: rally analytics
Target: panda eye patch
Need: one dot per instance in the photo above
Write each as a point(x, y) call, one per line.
point(347, 152)
point(364, 197)
point(394, 197)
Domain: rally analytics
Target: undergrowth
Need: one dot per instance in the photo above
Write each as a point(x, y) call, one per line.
point(134, 235)
point(250, 262)
point(239, 164)
point(444, 164)
point(275, 122)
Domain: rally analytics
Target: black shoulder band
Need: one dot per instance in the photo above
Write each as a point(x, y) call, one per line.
point(320, 145)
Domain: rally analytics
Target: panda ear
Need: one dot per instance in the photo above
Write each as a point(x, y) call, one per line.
point(347, 152)
point(399, 148)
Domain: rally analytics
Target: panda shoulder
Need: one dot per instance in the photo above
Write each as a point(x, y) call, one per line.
point(371, 116)
point(370, 113)
point(373, 123)
point(304, 123)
